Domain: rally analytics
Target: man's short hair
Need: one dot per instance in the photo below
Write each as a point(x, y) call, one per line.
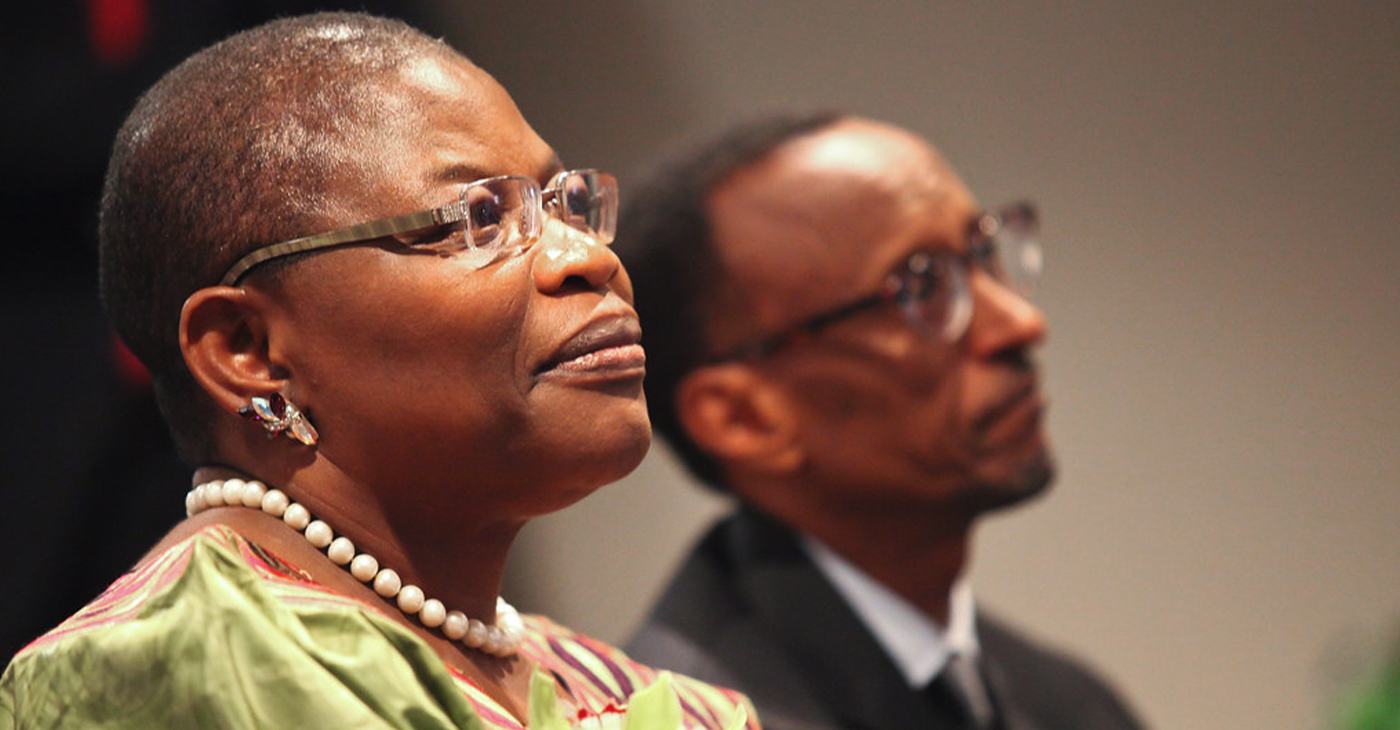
point(665, 242)
point(233, 149)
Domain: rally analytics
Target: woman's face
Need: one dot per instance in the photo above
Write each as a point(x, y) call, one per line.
point(516, 387)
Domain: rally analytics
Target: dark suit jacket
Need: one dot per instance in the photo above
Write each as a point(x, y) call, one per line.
point(749, 610)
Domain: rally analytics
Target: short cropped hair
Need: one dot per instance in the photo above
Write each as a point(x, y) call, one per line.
point(233, 149)
point(664, 240)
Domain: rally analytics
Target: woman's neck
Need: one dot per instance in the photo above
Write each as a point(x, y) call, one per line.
point(459, 562)
point(468, 584)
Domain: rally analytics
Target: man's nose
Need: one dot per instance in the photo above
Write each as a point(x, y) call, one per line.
point(1002, 318)
point(567, 256)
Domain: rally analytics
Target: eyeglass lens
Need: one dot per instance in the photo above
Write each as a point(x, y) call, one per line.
point(932, 290)
point(1011, 247)
point(504, 212)
point(501, 212)
point(585, 200)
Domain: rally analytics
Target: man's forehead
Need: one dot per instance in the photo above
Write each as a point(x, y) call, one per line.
point(833, 194)
point(825, 217)
point(863, 151)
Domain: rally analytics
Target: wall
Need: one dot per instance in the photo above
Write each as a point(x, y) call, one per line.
point(1220, 184)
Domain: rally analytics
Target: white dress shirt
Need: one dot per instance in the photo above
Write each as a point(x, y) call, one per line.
point(917, 644)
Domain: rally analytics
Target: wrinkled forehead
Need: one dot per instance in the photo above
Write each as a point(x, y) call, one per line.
point(826, 216)
point(443, 120)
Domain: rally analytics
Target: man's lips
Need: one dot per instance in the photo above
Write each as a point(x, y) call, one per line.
point(1023, 406)
point(609, 344)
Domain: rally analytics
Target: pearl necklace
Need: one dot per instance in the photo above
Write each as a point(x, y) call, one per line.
point(501, 639)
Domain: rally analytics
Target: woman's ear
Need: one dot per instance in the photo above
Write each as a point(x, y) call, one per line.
point(223, 337)
point(740, 418)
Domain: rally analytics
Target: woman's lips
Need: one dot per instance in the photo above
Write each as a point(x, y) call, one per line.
point(604, 346)
point(621, 357)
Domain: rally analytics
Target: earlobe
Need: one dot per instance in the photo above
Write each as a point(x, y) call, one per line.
point(224, 340)
point(740, 418)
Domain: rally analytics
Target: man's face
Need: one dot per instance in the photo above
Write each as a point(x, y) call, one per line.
point(426, 375)
point(887, 414)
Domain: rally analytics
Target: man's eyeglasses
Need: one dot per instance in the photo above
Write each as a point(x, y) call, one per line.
point(931, 289)
point(491, 218)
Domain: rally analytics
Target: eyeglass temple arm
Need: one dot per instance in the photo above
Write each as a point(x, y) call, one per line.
point(801, 329)
point(453, 213)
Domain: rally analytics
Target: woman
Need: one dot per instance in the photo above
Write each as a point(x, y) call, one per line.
point(384, 322)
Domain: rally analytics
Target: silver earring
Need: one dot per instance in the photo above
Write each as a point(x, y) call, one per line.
point(278, 415)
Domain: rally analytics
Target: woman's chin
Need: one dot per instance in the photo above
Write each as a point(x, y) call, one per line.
point(597, 468)
point(626, 455)
point(619, 444)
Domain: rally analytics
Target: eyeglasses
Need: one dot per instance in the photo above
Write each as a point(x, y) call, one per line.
point(931, 288)
point(491, 218)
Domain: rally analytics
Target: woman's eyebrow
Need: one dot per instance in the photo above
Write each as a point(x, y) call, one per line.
point(464, 173)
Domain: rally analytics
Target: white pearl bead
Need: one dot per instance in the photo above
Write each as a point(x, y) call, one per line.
point(501, 639)
point(296, 516)
point(510, 621)
point(275, 502)
point(476, 634)
point(410, 599)
point(233, 492)
point(319, 534)
point(214, 494)
point(364, 567)
point(253, 493)
point(387, 583)
point(494, 639)
point(433, 613)
point(341, 551)
point(511, 643)
point(454, 626)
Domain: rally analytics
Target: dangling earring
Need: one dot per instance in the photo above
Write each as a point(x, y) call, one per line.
point(277, 415)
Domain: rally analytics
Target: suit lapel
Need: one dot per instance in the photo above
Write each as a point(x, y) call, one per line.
point(1010, 713)
point(837, 655)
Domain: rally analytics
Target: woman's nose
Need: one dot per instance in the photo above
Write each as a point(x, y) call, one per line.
point(569, 257)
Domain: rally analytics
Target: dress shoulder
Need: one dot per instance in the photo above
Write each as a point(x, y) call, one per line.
point(597, 674)
point(216, 632)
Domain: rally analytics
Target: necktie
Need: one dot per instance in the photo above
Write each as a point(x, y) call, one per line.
point(961, 684)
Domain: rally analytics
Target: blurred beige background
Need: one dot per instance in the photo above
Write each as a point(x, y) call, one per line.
point(1220, 183)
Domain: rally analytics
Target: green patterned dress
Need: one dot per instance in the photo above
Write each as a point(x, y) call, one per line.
point(219, 633)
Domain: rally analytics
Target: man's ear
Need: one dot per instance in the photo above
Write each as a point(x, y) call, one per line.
point(742, 419)
point(223, 337)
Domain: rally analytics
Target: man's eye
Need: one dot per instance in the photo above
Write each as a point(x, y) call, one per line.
point(914, 286)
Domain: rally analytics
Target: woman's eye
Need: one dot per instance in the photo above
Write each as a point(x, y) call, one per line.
point(486, 210)
point(579, 203)
point(487, 213)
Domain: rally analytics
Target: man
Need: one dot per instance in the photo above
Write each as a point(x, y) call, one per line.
point(839, 338)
